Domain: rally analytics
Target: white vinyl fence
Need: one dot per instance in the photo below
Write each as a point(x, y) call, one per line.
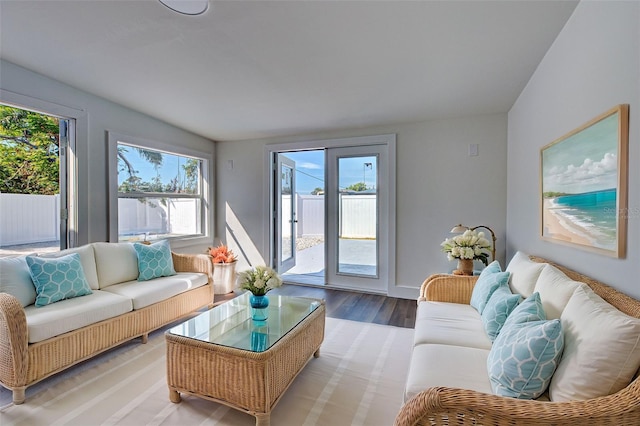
point(358, 216)
point(310, 215)
point(176, 216)
point(29, 218)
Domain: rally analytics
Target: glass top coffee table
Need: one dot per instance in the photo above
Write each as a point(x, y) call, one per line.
point(225, 356)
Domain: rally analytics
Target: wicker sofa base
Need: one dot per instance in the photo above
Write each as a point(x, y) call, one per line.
point(23, 364)
point(453, 406)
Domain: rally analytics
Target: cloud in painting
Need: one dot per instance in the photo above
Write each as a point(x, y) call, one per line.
point(589, 176)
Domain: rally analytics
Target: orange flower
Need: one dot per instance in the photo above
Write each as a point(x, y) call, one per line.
point(222, 254)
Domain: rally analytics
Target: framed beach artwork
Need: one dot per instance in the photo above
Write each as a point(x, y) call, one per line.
point(584, 185)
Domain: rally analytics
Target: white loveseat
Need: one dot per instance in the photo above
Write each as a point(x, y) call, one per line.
point(595, 378)
point(38, 341)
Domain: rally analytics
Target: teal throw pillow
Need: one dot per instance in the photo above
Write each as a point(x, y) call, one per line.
point(530, 309)
point(154, 260)
point(57, 278)
point(492, 268)
point(498, 308)
point(489, 280)
point(524, 357)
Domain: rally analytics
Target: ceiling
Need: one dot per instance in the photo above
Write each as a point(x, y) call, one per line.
point(252, 69)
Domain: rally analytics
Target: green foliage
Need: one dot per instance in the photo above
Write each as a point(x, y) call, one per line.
point(551, 194)
point(317, 191)
point(360, 186)
point(191, 173)
point(29, 155)
point(133, 183)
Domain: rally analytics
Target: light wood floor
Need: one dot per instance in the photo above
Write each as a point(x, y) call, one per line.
point(354, 306)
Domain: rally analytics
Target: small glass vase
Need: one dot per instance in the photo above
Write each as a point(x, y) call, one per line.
point(259, 305)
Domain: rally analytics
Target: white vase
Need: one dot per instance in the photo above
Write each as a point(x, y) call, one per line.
point(224, 277)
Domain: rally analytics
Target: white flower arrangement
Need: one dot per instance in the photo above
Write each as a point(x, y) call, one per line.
point(259, 280)
point(469, 245)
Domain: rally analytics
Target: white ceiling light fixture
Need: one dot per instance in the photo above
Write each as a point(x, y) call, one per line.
point(187, 7)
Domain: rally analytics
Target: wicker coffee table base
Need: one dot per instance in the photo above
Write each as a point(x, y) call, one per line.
point(251, 382)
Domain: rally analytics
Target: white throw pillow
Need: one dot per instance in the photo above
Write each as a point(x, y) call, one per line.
point(115, 263)
point(15, 279)
point(555, 290)
point(524, 274)
point(601, 349)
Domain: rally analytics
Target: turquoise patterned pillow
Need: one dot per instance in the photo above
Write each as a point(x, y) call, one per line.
point(524, 357)
point(57, 278)
point(498, 308)
point(154, 260)
point(489, 280)
point(530, 309)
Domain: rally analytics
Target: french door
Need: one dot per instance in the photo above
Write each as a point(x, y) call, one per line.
point(356, 218)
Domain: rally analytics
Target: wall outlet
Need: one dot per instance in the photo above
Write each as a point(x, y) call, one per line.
point(473, 150)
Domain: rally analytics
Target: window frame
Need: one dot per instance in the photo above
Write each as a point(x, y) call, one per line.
point(205, 184)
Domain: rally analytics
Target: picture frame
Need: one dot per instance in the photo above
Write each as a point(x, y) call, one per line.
point(583, 185)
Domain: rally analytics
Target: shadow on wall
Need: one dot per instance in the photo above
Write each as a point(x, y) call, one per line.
point(238, 240)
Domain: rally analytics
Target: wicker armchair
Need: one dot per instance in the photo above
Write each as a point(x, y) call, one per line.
point(449, 406)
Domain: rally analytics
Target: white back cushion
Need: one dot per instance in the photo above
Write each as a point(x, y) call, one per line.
point(15, 279)
point(116, 263)
point(87, 259)
point(601, 349)
point(555, 290)
point(524, 274)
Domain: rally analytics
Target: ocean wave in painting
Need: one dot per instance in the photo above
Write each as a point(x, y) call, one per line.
point(591, 212)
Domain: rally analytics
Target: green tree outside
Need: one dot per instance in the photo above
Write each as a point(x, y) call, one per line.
point(359, 186)
point(29, 154)
point(30, 158)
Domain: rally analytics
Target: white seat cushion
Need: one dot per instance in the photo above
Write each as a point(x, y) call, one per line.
point(145, 293)
point(524, 274)
point(115, 263)
point(450, 324)
point(70, 314)
point(450, 366)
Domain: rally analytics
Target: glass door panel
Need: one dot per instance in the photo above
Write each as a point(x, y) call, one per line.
point(358, 216)
point(286, 216)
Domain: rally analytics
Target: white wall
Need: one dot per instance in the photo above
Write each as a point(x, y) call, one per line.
point(438, 186)
point(593, 65)
point(101, 115)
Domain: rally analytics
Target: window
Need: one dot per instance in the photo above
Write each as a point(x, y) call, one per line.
point(161, 193)
point(61, 223)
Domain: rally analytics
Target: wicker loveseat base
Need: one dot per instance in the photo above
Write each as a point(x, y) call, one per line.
point(452, 406)
point(23, 364)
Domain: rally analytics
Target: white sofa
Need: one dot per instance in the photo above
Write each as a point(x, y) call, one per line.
point(453, 377)
point(38, 341)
